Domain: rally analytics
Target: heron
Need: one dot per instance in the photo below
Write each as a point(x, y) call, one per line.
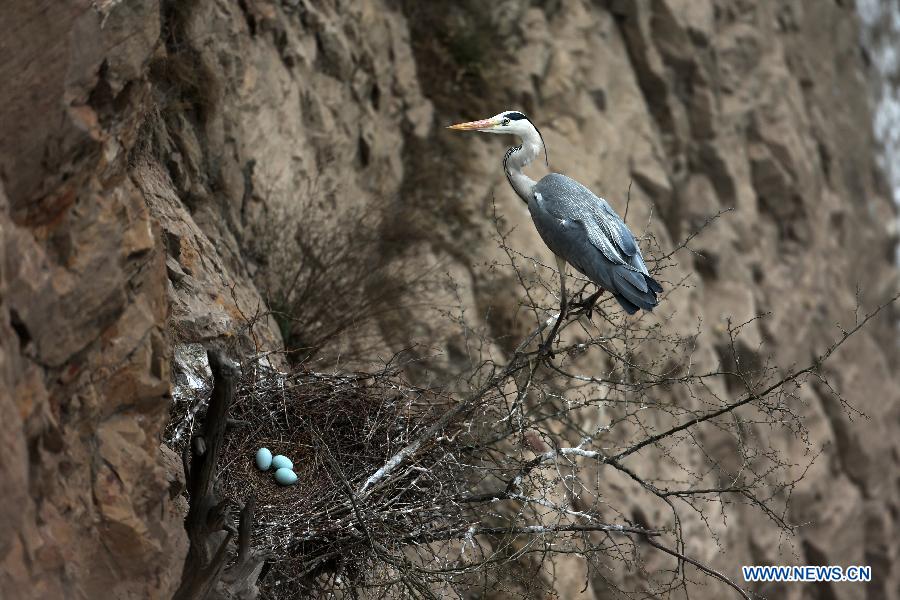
point(579, 227)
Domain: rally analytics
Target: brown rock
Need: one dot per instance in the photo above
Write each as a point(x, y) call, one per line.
point(142, 144)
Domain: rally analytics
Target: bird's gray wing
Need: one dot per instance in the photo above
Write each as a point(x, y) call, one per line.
point(585, 231)
point(616, 229)
point(567, 199)
point(569, 239)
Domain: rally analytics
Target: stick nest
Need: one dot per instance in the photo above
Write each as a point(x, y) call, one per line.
point(337, 429)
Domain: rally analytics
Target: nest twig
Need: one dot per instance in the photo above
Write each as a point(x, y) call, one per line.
point(337, 429)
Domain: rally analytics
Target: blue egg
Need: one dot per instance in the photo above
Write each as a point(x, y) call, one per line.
point(282, 462)
point(263, 459)
point(285, 476)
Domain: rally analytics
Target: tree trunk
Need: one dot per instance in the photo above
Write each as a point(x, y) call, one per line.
point(209, 523)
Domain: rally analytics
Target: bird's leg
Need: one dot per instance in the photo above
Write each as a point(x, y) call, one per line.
point(547, 346)
point(587, 305)
point(577, 298)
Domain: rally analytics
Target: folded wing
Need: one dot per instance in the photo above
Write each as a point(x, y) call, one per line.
point(584, 230)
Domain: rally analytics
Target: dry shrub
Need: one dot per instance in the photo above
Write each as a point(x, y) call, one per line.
point(323, 273)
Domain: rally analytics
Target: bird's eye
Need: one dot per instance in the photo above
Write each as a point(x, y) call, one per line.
point(505, 122)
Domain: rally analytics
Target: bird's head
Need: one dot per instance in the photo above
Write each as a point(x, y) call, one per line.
point(510, 122)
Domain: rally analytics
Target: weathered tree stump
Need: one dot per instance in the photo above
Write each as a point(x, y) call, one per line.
point(209, 523)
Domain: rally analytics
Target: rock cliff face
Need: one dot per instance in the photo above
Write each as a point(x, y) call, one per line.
point(143, 144)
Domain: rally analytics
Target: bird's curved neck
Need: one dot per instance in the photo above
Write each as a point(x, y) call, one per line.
point(516, 159)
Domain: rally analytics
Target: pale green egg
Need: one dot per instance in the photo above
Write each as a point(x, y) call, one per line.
point(282, 462)
point(285, 476)
point(263, 459)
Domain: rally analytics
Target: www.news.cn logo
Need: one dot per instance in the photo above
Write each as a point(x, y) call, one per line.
point(806, 573)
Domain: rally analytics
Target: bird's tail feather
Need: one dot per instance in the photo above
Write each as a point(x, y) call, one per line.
point(626, 304)
point(636, 290)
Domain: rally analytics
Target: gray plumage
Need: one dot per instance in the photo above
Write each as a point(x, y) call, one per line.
point(580, 228)
point(587, 233)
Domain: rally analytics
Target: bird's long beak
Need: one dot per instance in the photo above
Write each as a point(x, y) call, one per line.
point(474, 125)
